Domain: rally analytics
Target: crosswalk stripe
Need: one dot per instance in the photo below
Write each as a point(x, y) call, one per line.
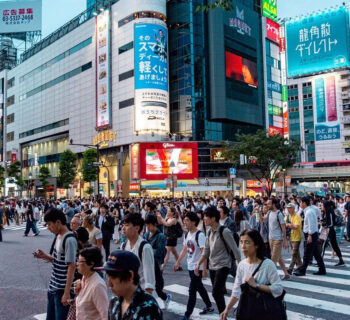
point(323, 279)
point(184, 291)
point(340, 270)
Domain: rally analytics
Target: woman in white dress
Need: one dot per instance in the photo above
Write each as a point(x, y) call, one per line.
point(266, 279)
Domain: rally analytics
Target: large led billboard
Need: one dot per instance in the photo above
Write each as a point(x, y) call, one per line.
point(318, 42)
point(151, 78)
point(241, 69)
point(20, 16)
point(159, 160)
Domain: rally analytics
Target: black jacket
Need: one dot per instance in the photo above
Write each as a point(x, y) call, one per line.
point(107, 227)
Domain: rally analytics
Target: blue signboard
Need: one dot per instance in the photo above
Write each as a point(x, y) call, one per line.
point(324, 132)
point(274, 86)
point(151, 56)
point(318, 42)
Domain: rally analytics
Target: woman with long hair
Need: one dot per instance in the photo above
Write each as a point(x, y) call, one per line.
point(328, 214)
point(241, 222)
point(266, 279)
point(30, 221)
point(169, 223)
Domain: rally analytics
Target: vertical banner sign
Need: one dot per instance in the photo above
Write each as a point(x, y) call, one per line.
point(103, 107)
point(320, 100)
point(269, 9)
point(272, 30)
point(151, 78)
point(331, 99)
point(135, 162)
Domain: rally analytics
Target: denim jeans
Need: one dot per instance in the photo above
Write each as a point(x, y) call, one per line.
point(30, 225)
point(55, 309)
point(196, 285)
point(218, 281)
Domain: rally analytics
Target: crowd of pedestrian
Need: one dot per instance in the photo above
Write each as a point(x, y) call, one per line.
point(218, 237)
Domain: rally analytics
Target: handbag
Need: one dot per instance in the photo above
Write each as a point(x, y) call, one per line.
point(72, 313)
point(255, 304)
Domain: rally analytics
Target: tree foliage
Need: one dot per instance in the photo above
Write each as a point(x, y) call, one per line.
point(89, 190)
point(44, 175)
point(88, 170)
point(68, 168)
point(226, 5)
point(14, 173)
point(267, 155)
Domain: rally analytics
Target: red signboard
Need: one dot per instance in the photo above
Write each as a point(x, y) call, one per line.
point(158, 160)
point(13, 157)
point(282, 44)
point(272, 30)
point(285, 123)
point(135, 161)
point(134, 187)
point(275, 130)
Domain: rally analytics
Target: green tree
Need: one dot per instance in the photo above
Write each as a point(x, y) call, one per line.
point(89, 191)
point(88, 170)
point(67, 168)
point(267, 155)
point(226, 5)
point(14, 173)
point(44, 175)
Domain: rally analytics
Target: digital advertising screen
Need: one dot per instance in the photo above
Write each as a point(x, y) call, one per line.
point(318, 42)
point(151, 78)
point(159, 160)
point(241, 69)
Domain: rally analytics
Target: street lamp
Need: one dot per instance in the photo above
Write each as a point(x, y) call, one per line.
point(172, 166)
point(79, 174)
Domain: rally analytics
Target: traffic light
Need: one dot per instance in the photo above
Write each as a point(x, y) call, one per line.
point(228, 183)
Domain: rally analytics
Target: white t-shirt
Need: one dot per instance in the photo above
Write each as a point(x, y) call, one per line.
point(193, 251)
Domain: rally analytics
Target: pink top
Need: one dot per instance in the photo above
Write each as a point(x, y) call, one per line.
point(92, 300)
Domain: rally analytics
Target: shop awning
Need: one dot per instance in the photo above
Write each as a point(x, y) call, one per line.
point(161, 184)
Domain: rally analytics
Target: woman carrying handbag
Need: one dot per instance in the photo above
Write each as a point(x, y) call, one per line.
point(257, 287)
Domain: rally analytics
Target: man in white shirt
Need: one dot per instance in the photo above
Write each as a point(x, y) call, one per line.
point(311, 249)
point(132, 226)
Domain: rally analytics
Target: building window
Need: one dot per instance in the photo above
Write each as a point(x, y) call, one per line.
point(56, 59)
point(53, 82)
point(347, 125)
point(126, 103)
point(50, 126)
point(10, 100)
point(126, 47)
point(126, 75)
point(10, 83)
point(347, 138)
point(10, 136)
point(10, 118)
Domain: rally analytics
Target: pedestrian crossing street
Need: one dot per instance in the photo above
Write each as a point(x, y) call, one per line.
point(14, 227)
point(308, 298)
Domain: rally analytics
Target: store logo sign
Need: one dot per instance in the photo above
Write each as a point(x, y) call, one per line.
point(239, 24)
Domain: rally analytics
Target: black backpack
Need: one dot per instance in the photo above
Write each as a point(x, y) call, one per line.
point(178, 230)
point(196, 237)
point(229, 251)
point(69, 235)
point(157, 273)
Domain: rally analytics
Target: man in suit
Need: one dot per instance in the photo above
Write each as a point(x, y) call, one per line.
point(105, 223)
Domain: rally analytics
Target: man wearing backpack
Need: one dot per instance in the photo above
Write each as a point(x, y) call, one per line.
point(157, 240)
point(132, 227)
point(194, 243)
point(63, 262)
point(218, 248)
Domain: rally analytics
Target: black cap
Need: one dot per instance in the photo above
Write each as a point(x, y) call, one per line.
point(121, 260)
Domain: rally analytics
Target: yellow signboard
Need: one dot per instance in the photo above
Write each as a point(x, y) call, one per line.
point(104, 136)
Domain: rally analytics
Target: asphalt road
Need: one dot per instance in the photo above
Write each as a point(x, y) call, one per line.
point(24, 281)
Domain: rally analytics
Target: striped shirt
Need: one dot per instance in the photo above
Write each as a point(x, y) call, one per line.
point(60, 261)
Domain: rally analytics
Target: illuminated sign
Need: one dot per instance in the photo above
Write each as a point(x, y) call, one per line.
point(135, 161)
point(241, 69)
point(318, 42)
point(103, 105)
point(256, 184)
point(269, 9)
point(276, 111)
point(272, 30)
point(151, 78)
point(104, 136)
point(275, 130)
point(284, 93)
point(216, 155)
point(238, 23)
point(158, 160)
point(20, 16)
point(134, 187)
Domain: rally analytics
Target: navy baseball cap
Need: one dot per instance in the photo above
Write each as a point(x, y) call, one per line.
point(121, 260)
